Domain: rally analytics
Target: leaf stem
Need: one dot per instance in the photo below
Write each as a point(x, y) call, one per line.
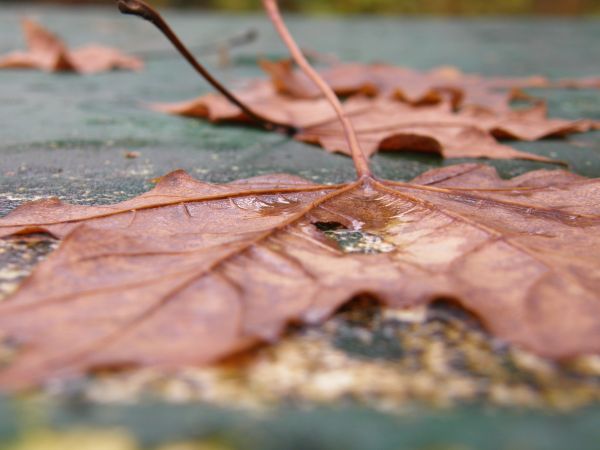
point(237, 40)
point(358, 156)
point(142, 9)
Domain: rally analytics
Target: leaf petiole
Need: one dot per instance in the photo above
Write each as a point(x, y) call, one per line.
point(361, 162)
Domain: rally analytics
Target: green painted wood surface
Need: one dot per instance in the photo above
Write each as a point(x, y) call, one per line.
point(67, 135)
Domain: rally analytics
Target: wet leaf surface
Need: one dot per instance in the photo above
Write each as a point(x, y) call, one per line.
point(238, 262)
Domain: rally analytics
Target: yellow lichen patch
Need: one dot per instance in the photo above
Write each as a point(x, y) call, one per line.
point(93, 439)
point(587, 365)
point(195, 446)
point(83, 439)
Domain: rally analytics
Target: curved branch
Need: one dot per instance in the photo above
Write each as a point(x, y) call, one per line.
point(237, 40)
point(142, 9)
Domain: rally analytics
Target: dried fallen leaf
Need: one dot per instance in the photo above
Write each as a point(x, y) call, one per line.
point(132, 155)
point(389, 125)
point(382, 124)
point(191, 272)
point(48, 53)
point(414, 87)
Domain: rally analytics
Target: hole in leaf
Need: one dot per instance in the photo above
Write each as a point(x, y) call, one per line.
point(354, 241)
point(329, 226)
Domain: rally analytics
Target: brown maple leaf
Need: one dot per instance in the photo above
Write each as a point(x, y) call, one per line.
point(381, 123)
point(443, 84)
point(388, 125)
point(47, 52)
point(191, 272)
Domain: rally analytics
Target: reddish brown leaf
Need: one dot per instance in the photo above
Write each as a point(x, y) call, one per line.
point(383, 124)
point(259, 95)
point(415, 87)
point(582, 83)
point(390, 125)
point(190, 272)
point(45, 51)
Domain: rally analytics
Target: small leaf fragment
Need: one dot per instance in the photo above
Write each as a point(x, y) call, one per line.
point(47, 52)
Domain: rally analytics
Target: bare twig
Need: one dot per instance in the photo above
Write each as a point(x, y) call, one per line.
point(236, 40)
point(142, 9)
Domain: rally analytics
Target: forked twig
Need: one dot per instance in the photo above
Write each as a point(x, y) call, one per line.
point(236, 40)
point(358, 156)
point(142, 9)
